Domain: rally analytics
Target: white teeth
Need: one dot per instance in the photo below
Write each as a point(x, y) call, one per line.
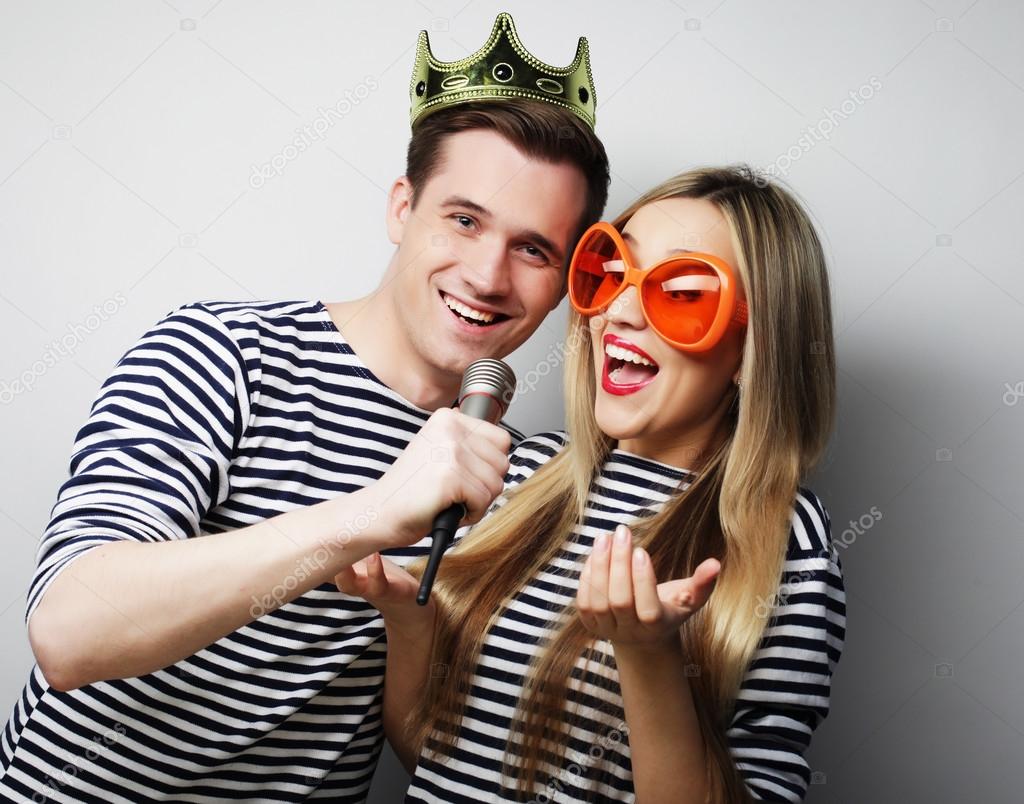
point(469, 312)
point(625, 354)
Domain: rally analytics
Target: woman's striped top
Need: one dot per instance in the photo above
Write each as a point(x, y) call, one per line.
point(222, 415)
point(783, 697)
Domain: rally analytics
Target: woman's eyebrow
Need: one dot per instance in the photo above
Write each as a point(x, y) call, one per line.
point(630, 239)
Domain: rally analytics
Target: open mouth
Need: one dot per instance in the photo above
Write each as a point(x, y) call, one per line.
point(627, 368)
point(471, 315)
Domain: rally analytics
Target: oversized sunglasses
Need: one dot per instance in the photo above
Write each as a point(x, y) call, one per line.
point(689, 300)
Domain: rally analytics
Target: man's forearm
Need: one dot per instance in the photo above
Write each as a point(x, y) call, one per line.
point(129, 608)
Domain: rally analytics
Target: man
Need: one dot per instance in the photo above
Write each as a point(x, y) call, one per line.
point(189, 642)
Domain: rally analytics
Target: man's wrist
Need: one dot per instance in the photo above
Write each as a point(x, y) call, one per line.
point(357, 524)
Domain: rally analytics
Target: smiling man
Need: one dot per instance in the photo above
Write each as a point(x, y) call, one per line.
point(190, 642)
point(482, 240)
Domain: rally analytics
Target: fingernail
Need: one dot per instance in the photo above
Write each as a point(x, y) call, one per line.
point(621, 535)
point(638, 557)
point(601, 543)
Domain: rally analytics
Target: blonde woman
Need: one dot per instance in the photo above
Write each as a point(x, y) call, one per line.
point(654, 607)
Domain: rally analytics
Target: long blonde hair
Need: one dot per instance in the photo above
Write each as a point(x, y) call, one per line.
point(736, 508)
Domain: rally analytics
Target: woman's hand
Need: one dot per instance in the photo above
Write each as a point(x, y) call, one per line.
point(388, 588)
point(619, 599)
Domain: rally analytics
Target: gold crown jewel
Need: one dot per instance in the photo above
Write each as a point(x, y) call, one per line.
point(502, 68)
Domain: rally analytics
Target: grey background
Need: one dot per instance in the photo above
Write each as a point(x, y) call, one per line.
point(129, 134)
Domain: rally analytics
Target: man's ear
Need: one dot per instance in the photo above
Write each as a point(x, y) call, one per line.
point(399, 208)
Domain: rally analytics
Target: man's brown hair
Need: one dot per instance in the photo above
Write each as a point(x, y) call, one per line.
point(539, 130)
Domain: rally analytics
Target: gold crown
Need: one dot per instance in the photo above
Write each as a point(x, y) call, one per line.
point(502, 68)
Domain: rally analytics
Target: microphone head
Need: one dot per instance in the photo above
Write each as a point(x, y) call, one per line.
point(494, 378)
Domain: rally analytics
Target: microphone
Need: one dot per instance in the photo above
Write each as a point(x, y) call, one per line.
point(487, 388)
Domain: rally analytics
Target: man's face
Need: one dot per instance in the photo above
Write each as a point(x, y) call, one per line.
point(480, 258)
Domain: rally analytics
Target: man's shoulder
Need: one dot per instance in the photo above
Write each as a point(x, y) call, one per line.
point(298, 314)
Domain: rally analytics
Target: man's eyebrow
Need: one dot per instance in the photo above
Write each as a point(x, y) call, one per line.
point(544, 243)
point(465, 203)
point(630, 239)
point(483, 212)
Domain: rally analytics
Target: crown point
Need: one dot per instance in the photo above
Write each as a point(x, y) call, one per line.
point(500, 69)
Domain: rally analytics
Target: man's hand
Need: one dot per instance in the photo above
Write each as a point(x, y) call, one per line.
point(453, 458)
point(389, 589)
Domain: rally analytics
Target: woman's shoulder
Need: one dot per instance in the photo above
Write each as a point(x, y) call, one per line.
point(540, 447)
point(530, 453)
point(810, 528)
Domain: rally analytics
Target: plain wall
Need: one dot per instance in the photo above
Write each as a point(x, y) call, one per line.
point(130, 131)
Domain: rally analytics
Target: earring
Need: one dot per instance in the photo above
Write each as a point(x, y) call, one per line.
point(738, 384)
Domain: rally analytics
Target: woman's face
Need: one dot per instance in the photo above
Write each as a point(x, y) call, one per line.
point(669, 411)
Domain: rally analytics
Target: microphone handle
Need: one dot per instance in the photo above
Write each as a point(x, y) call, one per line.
point(445, 525)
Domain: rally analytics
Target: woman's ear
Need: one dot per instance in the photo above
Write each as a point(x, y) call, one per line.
point(398, 208)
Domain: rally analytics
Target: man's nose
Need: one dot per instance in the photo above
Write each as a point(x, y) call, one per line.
point(487, 272)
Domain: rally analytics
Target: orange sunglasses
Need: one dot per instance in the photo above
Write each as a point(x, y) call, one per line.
point(689, 300)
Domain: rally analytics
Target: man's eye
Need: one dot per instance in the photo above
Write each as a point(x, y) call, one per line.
point(464, 221)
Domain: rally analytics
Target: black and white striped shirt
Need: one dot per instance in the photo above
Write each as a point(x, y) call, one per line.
point(783, 698)
point(223, 414)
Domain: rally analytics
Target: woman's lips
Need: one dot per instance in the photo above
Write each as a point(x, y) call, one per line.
point(624, 388)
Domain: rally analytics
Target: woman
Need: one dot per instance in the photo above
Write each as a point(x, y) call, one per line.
point(560, 669)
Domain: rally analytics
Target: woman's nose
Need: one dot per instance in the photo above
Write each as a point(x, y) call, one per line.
point(625, 309)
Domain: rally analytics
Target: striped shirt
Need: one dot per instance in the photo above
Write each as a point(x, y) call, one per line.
point(223, 414)
point(783, 697)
